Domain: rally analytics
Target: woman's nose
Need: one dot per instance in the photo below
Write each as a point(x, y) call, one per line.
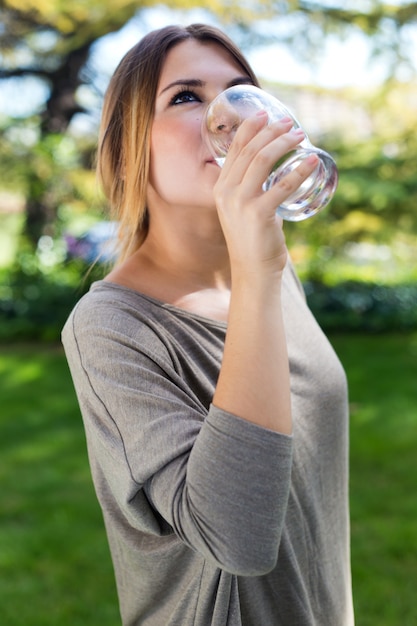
point(224, 120)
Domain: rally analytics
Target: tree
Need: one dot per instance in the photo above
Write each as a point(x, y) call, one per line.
point(52, 41)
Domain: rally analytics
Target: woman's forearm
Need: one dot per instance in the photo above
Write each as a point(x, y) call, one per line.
point(254, 377)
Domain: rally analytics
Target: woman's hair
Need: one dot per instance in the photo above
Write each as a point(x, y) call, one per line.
point(124, 141)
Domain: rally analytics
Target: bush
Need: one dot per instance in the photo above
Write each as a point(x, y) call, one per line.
point(35, 301)
point(358, 306)
point(35, 304)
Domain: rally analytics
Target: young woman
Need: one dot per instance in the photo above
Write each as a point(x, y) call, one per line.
point(215, 409)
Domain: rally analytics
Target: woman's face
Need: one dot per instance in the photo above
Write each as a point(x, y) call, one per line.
point(182, 171)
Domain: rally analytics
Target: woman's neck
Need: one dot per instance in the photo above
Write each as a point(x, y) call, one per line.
point(190, 271)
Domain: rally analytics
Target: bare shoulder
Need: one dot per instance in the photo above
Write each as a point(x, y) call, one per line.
point(172, 288)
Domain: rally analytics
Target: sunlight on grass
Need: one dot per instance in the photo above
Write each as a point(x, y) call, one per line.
point(21, 373)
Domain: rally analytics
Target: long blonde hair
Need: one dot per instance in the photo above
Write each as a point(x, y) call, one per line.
point(124, 141)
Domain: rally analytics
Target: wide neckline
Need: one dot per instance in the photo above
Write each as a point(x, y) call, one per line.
point(159, 303)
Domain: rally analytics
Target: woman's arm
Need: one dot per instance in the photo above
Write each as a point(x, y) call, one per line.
point(220, 483)
point(254, 378)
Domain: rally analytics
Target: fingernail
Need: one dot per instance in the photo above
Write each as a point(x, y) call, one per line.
point(261, 113)
point(285, 120)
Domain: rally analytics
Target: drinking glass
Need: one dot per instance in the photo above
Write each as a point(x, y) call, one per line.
point(221, 121)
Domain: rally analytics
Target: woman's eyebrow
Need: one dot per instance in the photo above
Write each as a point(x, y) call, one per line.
point(195, 82)
point(184, 82)
point(240, 80)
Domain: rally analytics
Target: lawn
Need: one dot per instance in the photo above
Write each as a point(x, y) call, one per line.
point(382, 372)
point(54, 562)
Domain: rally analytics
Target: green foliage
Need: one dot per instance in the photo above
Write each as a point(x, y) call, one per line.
point(376, 200)
point(52, 171)
point(379, 181)
point(10, 229)
point(35, 302)
point(43, 159)
point(358, 306)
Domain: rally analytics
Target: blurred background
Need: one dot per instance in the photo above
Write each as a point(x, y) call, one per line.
point(348, 71)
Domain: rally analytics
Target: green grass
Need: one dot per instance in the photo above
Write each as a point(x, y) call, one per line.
point(382, 373)
point(55, 567)
point(54, 562)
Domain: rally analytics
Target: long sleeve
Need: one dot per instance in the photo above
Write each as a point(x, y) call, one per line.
point(214, 478)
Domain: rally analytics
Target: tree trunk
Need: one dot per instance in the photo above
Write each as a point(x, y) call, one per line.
point(60, 108)
point(65, 80)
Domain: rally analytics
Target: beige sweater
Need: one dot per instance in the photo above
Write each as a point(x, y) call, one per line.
point(212, 520)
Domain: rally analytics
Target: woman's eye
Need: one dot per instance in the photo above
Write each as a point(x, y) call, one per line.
point(184, 96)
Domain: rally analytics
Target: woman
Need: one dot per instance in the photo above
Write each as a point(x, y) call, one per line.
point(215, 410)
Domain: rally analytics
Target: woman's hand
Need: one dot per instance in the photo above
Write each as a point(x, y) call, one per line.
point(247, 213)
point(254, 378)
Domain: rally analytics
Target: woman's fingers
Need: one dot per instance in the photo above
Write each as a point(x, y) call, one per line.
point(255, 149)
point(288, 184)
point(247, 212)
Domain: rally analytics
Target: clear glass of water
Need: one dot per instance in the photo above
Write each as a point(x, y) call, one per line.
point(224, 116)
